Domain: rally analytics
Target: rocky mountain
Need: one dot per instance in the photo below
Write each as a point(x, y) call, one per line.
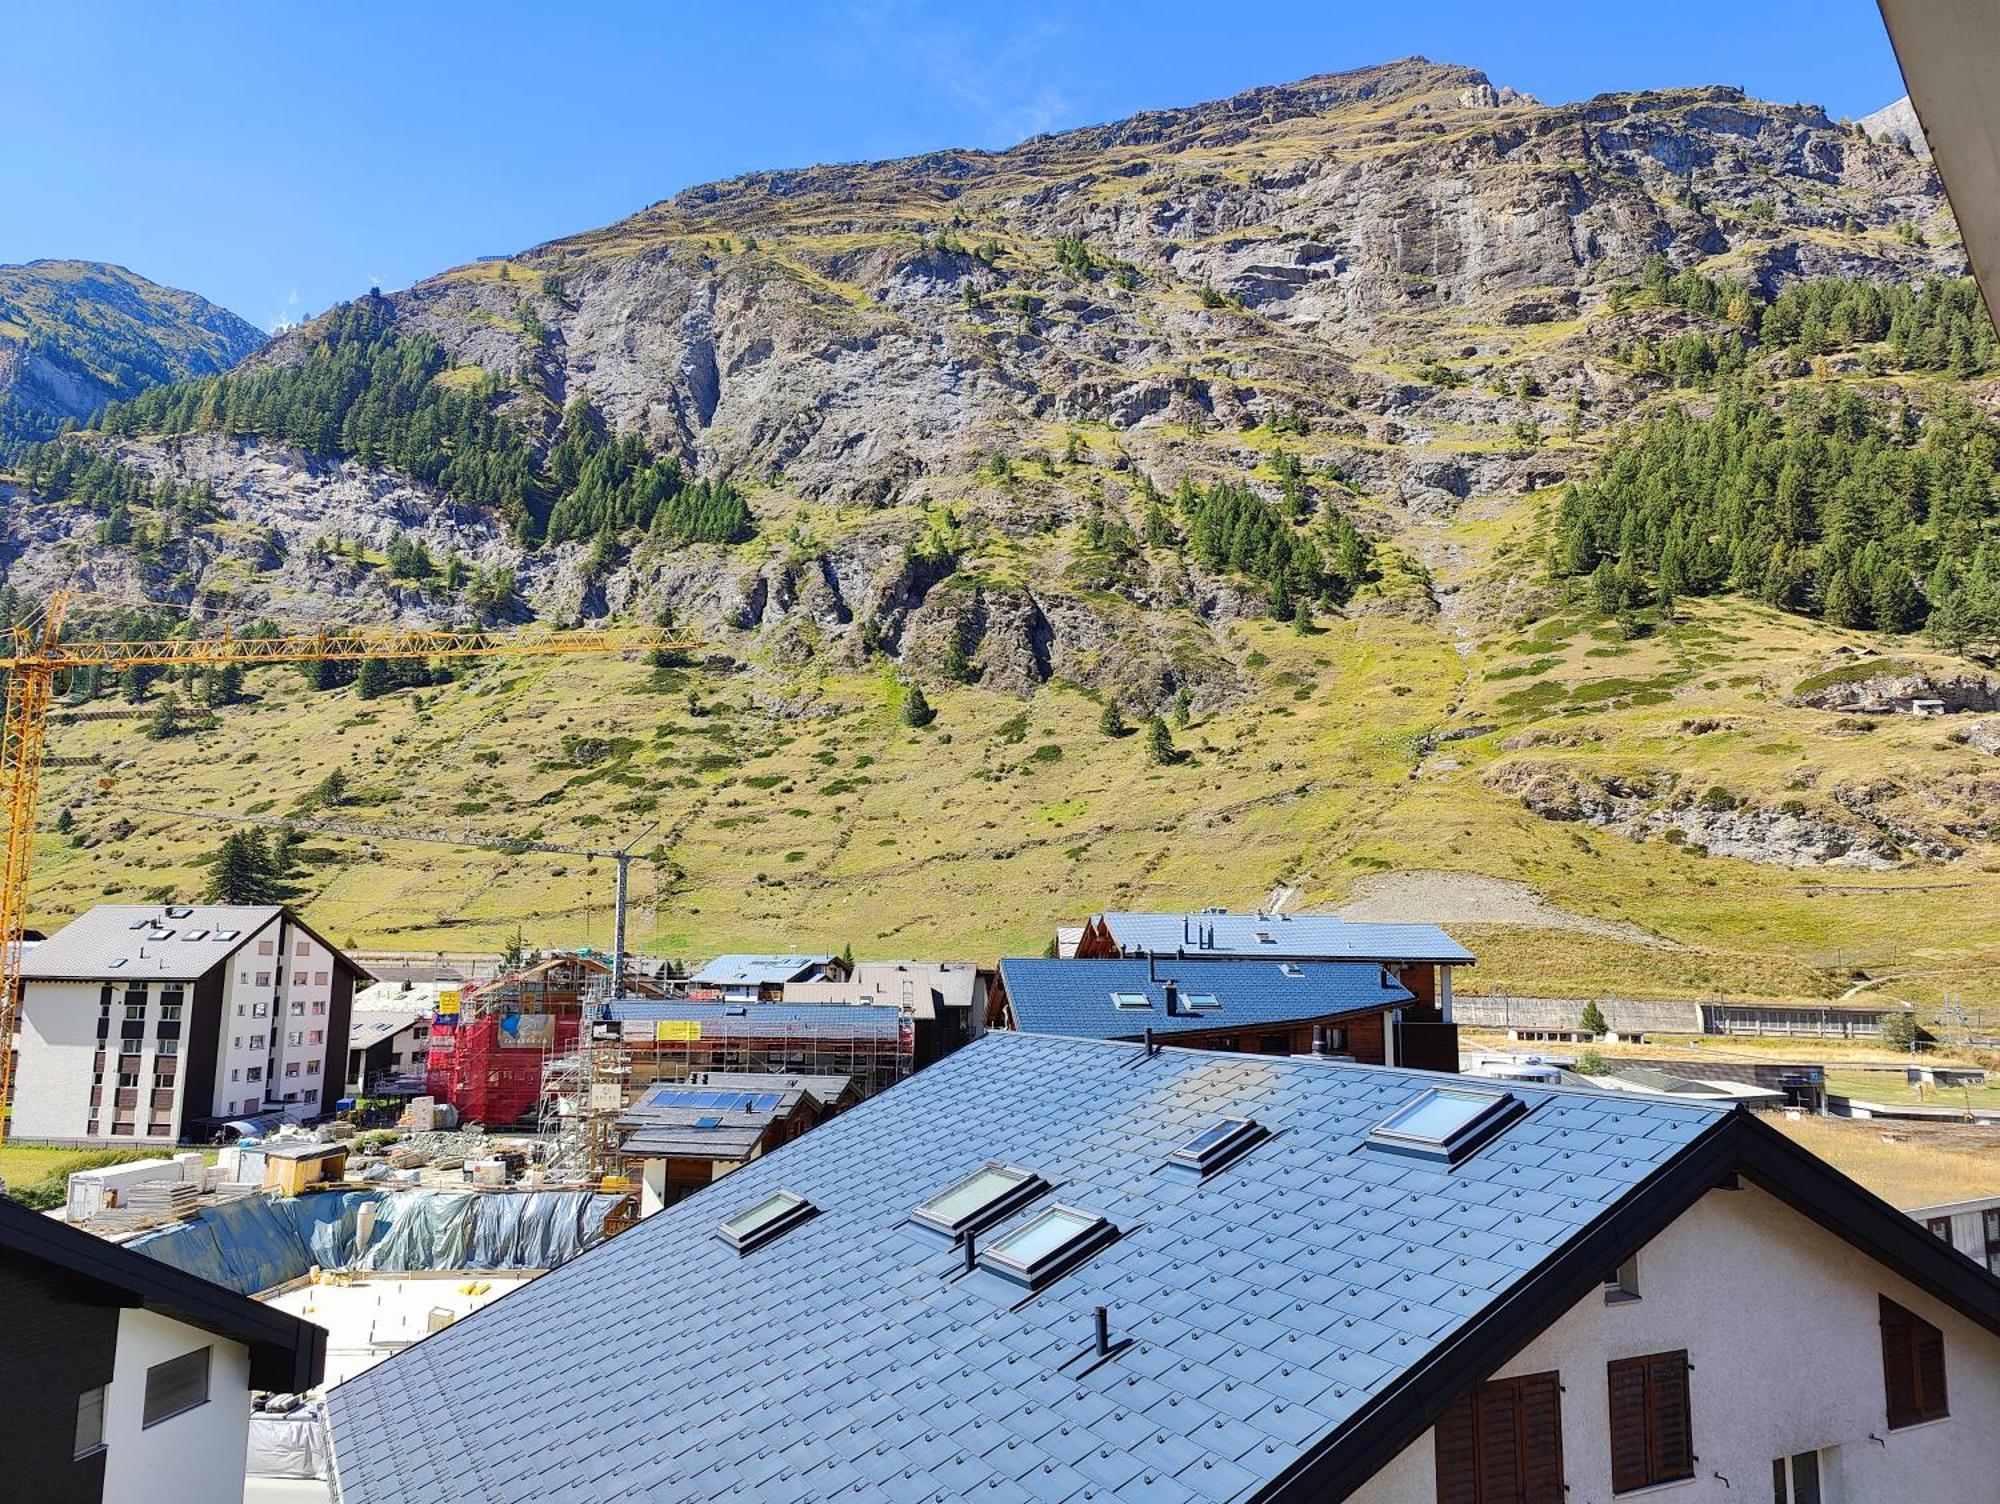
point(75, 335)
point(1898, 122)
point(1256, 415)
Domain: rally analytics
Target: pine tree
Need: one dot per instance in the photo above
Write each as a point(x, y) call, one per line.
point(1183, 707)
point(1112, 721)
point(1592, 1022)
point(916, 709)
point(242, 872)
point(373, 679)
point(1159, 741)
point(1846, 604)
point(1895, 601)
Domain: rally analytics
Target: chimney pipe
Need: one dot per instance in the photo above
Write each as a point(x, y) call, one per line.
point(1150, 1046)
point(1173, 994)
point(1319, 1039)
point(1103, 1332)
point(971, 1254)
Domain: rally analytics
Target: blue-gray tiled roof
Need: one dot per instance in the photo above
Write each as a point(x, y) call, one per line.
point(844, 1360)
point(1321, 937)
point(1074, 997)
point(745, 971)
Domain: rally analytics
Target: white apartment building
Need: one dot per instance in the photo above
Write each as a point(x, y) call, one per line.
point(163, 1022)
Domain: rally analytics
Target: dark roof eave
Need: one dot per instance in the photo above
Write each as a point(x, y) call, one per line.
point(286, 1353)
point(1347, 1457)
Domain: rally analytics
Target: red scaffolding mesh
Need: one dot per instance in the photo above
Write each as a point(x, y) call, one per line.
point(488, 1058)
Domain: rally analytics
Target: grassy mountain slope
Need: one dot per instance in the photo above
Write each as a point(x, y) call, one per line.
point(949, 389)
point(77, 334)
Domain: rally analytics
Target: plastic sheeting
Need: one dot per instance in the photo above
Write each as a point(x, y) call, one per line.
point(257, 1242)
point(287, 1446)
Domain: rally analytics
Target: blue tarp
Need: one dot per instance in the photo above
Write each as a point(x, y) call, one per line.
point(257, 1242)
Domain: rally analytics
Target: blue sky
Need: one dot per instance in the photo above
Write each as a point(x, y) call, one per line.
point(278, 157)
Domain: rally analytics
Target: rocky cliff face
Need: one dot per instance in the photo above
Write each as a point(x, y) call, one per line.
point(77, 334)
point(1404, 263)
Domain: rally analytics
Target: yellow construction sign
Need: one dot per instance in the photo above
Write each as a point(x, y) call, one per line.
point(679, 1030)
point(448, 1000)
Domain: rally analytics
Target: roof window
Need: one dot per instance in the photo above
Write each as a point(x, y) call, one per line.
point(756, 1225)
point(1218, 1144)
point(139, 924)
point(1291, 969)
point(1047, 1245)
point(227, 934)
point(115, 962)
point(1202, 1002)
point(1131, 1000)
point(178, 911)
point(1446, 1122)
point(195, 935)
point(983, 1197)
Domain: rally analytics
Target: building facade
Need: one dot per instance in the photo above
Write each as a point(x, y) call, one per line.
point(1421, 958)
point(128, 1381)
point(161, 1023)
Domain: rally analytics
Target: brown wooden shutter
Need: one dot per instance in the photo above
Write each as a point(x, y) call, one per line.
point(1672, 1428)
point(1541, 1439)
point(1499, 1407)
point(1626, 1380)
point(1457, 1441)
point(1899, 1364)
point(1929, 1345)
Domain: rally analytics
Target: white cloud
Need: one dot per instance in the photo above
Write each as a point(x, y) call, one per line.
point(1000, 82)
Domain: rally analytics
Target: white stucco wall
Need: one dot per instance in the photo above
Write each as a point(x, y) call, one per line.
point(58, 1043)
point(1779, 1319)
point(197, 1456)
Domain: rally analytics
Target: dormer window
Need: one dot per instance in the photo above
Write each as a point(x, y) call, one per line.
point(756, 1225)
point(1446, 1123)
point(1047, 1245)
point(980, 1199)
point(1218, 1145)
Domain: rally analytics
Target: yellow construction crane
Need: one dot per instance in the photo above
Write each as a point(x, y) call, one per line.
point(37, 656)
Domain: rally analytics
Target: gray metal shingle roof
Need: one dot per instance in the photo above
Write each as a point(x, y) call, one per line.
point(1318, 937)
point(743, 971)
point(102, 944)
point(1074, 998)
point(846, 1360)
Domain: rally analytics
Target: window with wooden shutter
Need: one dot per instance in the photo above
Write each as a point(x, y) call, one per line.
point(1502, 1443)
point(1652, 1436)
point(1912, 1367)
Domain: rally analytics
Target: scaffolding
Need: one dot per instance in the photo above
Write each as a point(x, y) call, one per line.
point(492, 1058)
point(584, 1091)
point(876, 1046)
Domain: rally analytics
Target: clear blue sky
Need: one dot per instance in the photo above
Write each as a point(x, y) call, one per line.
point(278, 157)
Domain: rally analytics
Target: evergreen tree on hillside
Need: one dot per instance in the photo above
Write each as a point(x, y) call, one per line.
point(242, 871)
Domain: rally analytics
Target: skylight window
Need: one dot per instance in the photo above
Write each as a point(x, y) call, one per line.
point(1203, 1002)
point(1047, 1245)
point(1446, 1123)
point(1218, 1144)
point(756, 1225)
point(227, 934)
point(1292, 969)
point(116, 962)
point(1131, 1000)
point(981, 1198)
point(179, 911)
point(195, 935)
